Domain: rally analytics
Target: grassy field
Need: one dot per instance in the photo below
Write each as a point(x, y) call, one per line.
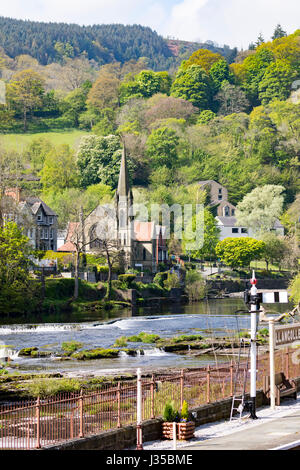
point(19, 142)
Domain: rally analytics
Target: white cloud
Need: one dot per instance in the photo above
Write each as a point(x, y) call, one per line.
point(185, 19)
point(87, 11)
point(233, 22)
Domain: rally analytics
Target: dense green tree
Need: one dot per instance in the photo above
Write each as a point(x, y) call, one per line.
point(274, 249)
point(162, 145)
point(73, 105)
point(219, 72)
point(295, 289)
point(254, 67)
point(193, 84)
point(207, 236)
point(144, 85)
point(59, 170)
point(206, 116)
point(15, 287)
point(278, 32)
point(98, 160)
point(36, 152)
point(25, 93)
point(276, 84)
point(239, 252)
point(204, 58)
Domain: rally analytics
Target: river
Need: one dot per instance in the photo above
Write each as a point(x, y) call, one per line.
point(213, 317)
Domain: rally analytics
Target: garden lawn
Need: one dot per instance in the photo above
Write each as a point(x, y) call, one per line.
point(19, 142)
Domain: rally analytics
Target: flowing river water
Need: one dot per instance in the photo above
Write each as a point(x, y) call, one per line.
point(208, 318)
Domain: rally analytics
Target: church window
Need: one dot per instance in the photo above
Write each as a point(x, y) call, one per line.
point(226, 211)
point(122, 219)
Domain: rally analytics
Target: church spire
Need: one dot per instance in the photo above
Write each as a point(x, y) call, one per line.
point(123, 185)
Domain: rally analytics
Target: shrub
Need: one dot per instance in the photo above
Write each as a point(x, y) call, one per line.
point(98, 353)
point(27, 351)
point(71, 346)
point(143, 338)
point(171, 281)
point(49, 387)
point(121, 342)
point(195, 286)
point(170, 414)
point(184, 411)
point(178, 339)
point(159, 278)
point(127, 279)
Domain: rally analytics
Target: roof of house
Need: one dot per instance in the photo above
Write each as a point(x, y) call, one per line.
point(36, 203)
point(147, 231)
point(226, 221)
point(68, 246)
point(231, 222)
point(71, 229)
point(143, 231)
point(202, 183)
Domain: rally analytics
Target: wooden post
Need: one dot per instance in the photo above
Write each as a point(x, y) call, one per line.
point(287, 362)
point(231, 378)
point(272, 363)
point(81, 414)
point(152, 397)
point(174, 436)
point(208, 385)
point(37, 414)
point(119, 404)
point(181, 387)
point(139, 399)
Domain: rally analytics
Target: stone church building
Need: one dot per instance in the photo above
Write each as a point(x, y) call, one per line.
point(143, 243)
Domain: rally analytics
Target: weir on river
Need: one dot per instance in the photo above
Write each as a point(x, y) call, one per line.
point(208, 318)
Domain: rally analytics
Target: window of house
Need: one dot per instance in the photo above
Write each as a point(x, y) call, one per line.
point(39, 217)
point(244, 230)
point(50, 220)
point(226, 211)
point(46, 233)
point(51, 233)
point(42, 233)
point(235, 230)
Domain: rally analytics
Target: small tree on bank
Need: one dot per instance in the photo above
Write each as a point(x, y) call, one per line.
point(239, 252)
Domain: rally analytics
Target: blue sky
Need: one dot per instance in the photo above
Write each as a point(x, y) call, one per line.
point(232, 22)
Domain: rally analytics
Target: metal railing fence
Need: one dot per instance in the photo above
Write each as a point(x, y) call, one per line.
point(33, 424)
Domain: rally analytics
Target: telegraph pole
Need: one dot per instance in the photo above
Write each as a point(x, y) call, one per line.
point(254, 307)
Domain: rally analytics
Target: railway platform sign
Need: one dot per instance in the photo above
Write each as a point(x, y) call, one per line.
point(286, 334)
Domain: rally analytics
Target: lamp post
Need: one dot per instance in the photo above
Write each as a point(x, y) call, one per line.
point(254, 307)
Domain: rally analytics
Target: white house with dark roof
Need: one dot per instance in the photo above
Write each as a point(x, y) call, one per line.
point(38, 220)
point(229, 228)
